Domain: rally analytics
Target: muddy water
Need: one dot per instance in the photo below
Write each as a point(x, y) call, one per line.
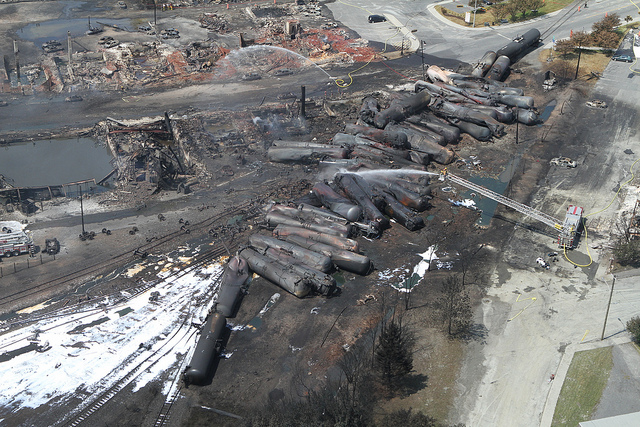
point(54, 162)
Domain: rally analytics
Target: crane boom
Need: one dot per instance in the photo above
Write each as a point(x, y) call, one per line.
point(568, 228)
point(522, 208)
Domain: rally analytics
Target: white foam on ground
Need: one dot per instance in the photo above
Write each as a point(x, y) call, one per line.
point(94, 358)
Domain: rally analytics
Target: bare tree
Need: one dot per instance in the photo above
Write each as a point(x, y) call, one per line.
point(606, 24)
point(469, 257)
point(565, 46)
point(499, 11)
point(454, 306)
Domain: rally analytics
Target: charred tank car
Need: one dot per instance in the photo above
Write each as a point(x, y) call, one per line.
point(233, 281)
point(210, 343)
point(520, 45)
point(208, 346)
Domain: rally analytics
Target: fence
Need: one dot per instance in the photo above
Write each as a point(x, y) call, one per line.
point(7, 267)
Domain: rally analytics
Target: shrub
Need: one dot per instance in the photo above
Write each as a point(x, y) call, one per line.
point(633, 326)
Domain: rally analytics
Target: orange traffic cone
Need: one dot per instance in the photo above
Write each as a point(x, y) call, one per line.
point(571, 34)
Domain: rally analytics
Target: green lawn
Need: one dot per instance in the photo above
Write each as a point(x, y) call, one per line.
point(482, 17)
point(582, 388)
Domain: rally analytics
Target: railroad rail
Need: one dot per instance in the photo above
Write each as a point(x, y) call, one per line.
point(83, 415)
point(248, 208)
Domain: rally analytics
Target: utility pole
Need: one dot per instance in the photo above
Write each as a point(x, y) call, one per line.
point(15, 54)
point(517, 121)
point(69, 46)
point(475, 9)
point(608, 305)
point(81, 210)
point(155, 12)
point(578, 66)
point(422, 54)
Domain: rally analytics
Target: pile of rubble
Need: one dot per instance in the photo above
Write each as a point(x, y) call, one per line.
point(215, 22)
point(147, 152)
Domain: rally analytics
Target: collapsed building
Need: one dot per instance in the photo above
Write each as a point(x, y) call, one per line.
point(112, 58)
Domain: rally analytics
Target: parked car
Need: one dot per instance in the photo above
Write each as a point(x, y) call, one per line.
point(504, 21)
point(377, 18)
point(251, 76)
point(622, 58)
point(283, 72)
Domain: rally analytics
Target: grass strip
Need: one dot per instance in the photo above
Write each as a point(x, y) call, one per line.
point(582, 388)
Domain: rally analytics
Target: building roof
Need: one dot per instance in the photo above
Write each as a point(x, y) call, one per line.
point(626, 420)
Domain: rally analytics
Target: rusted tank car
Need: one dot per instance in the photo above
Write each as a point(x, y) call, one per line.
point(297, 254)
point(282, 231)
point(343, 259)
point(337, 203)
point(276, 273)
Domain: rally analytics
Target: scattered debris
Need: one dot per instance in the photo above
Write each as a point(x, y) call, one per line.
point(543, 263)
point(597, 103)
point(564, 162)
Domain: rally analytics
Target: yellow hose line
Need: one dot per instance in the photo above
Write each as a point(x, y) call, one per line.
point(617, 192)
point(586, 242)
point(340, 82)
point(586, 236)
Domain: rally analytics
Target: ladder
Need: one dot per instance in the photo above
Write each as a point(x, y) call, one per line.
point(524, 209)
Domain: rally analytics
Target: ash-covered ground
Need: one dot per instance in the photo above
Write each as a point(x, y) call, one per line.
point(273, 353)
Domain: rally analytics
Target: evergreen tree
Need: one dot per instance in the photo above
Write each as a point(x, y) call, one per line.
point(394, 356)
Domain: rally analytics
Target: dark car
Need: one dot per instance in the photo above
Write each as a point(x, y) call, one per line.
point(283, 72)
point(377, 18)
point(504, 21)
point(622, 58)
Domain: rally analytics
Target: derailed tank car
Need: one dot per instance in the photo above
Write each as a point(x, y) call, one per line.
point(235, 276)
point(208, 346)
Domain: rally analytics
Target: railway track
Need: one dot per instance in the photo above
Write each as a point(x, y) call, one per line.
point(198, 261)
point(248, 208)
point(179, 336)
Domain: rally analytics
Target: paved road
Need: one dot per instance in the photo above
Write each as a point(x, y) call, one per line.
point(447, 40)
point(622, 391)
point(537, 319)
